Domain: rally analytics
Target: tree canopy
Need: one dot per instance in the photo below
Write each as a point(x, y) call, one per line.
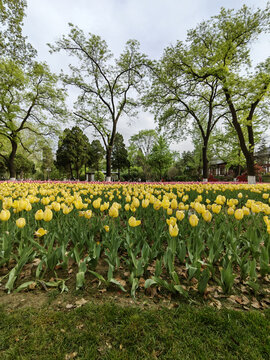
point(106, 86)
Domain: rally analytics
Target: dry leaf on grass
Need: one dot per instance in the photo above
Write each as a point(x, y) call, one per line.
point(69, 306)
point(81, 302)
point(141, 282)
point(121, 281)
point(80, 326)
point(71, 356)
point(255, 304)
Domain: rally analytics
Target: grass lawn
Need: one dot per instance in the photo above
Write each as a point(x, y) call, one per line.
point(109, 331)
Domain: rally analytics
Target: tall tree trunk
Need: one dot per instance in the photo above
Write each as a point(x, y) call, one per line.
point(108, 162)
point(11, 158)
point(70, 169)
point(247, 151)
point(205, 160)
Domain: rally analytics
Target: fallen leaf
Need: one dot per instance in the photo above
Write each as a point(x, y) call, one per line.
point(152, 291)
point(102, 290)
point(255, 304)
point(245, 300)
point(71, 356)
point(32, 286)
point(80, 326)
point(36, 261)
point(81, 302)
point(264, 305)
point(141, 282)
point(121, 281)
point(69, 306)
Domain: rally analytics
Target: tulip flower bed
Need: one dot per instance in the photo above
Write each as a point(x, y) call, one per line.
point(180, 238)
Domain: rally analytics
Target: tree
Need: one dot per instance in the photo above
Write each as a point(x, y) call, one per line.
point(96, 155)
point(12, 44)
point(73, 150)
point(181, 102)
point(29, 95)
point(27, 98)
point(47, 161)
point(144, 141)
point(119, 154)
point(140, 147)
point(160, 157)
point(24, 167)
point(222, 48)
point(105, 86)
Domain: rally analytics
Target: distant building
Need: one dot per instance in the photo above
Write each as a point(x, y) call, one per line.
point(263, 158)
point(217, 167)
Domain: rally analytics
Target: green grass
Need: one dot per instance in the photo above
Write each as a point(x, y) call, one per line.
point(113, 332)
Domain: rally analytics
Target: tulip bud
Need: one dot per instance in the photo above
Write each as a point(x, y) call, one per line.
point(4, 215)
point(39, 215)
point(47, 215)
point(193, 220)
point(21, 222)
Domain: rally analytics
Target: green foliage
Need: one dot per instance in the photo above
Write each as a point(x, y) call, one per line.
point(96, 154)
point(24, 167)
point(160, 157)
point(73, 150)
point(99, 176)
point(12, 44)
point(105, 87)
point(144, 141)
point(221, 50)
point(119, 154)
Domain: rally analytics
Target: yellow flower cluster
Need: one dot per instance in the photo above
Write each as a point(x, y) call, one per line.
point(179, 205)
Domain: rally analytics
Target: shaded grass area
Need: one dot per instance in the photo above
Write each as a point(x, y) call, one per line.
point(113, 332)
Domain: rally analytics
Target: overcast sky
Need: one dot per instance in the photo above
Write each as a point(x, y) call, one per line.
point(155, 23)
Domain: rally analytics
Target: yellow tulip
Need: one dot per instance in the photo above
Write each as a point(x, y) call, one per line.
point(88, 214)
point(113, 212)
point(230, 211)
point(216, 208)
point(174, 204)
point(193, 220)
point(207, 215)
point(171, 221)
point(96, 203)
point(239, 214)
point(127, 207)
point(180, 215)
point(169, 211)
point(66, 209)
point(56, 206)
point(145, 203)
point(39, 215)
point(173, 230)
point(107, 228)
point(133, 222)
point(246, 210)
point(21, 222)
point(4, 215)
point(47, 215)
point(40, 232)
point(136, 202)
